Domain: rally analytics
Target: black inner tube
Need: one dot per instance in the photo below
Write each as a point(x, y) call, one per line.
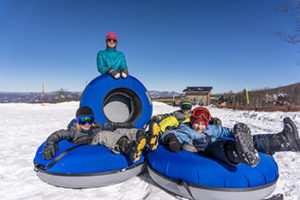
point(122, 105)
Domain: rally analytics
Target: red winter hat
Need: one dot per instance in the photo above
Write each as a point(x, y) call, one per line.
point(200, 114)
point(111, 35)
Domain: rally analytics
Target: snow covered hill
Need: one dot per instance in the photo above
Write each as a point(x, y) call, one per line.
point(23, 127)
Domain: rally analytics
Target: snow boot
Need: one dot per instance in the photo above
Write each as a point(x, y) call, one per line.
point(153, 136)
point(244, 145)
point(124, 145)
point(287, 140)
point(172, 142)
point(139, 144)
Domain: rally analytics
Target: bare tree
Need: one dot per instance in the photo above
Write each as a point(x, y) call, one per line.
point(291, 7)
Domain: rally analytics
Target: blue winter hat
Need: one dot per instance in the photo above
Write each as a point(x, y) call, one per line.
point(84, 111)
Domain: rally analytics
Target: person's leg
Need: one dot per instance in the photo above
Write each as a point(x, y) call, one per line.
point(108, 139)
point(132, 143)
point(153, 135)
point(287, 140)
point(223, 150)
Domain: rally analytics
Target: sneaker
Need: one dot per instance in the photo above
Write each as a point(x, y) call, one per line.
point(244, 145)
point(153, 137)
point(136, 151)
point(289, 137)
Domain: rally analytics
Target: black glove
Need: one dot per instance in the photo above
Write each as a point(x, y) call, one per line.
point(155, 119)
point(124, 73)
point(172, 142)
point(49, 150)
point(215, 121)
point(114, 73)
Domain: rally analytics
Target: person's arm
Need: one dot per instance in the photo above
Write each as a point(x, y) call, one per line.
point(51, 142)
point(102, 67)
point(218, 131)
point(170, 121)
point(183, 133)
point(161, 117)
point(123, 62)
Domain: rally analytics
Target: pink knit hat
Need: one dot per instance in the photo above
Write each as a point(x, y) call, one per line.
point(111, 35)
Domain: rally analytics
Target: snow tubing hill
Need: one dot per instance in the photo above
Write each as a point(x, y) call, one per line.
point(198, 177)
point(122, 100)
point(85, 166)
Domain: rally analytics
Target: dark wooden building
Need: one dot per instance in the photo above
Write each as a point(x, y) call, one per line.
point(199, 95)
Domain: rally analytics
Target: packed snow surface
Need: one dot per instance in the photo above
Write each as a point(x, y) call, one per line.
point(24, 127)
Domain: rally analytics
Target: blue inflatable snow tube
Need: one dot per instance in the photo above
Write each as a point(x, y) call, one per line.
point(85, 166)
point(209, 174)
point(122, 100)
point(84, 159)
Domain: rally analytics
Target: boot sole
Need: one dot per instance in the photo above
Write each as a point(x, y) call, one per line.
point(288, 122)
point(154, 137)
point(141, 145)
point(244, 144)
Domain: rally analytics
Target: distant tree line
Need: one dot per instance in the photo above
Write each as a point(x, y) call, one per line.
point(287, 95)
point(59, 96)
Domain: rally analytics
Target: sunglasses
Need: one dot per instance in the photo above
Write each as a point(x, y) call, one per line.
point(111, 40)
point(201, 113)
point(82, 120)
point(186, 107)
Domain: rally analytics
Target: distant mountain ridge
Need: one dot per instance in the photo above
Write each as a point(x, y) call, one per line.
point(158, 94)
point(284, 95)
point(36, 97)
point(61, 96)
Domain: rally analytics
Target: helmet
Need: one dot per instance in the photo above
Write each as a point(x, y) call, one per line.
point(186, 104)
point(111, 35)
point(186, 101)
point(200, 114)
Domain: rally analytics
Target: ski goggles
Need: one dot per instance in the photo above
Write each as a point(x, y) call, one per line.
point(82, 120)
point(186, 106)
point(201, 113)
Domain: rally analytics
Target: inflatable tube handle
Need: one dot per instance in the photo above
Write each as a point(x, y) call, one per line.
point(185, 185)
point(42, 167)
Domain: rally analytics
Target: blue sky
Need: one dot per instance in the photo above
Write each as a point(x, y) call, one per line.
point(168, 44)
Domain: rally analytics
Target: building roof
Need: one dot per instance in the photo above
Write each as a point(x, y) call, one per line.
point(198, 89)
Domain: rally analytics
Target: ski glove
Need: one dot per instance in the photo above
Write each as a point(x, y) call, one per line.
point(124, 73)
point(49, 150)
point(114, 73)
point(215, 121)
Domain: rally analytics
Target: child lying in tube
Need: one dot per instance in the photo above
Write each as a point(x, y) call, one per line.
point(199, 136)
point(118, 138)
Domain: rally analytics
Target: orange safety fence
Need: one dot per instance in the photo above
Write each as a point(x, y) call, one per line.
point(266, 109)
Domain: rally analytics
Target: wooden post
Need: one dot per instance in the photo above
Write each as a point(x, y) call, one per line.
point(247, 95)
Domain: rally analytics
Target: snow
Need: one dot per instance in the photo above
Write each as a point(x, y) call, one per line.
point(23, 127)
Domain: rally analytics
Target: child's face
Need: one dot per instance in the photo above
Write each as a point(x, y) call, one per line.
point(85, 127)
point(186, 111)
point(199, 127)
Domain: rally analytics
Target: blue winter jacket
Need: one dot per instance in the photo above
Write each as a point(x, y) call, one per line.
point(110, 58)
point(185, 133)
